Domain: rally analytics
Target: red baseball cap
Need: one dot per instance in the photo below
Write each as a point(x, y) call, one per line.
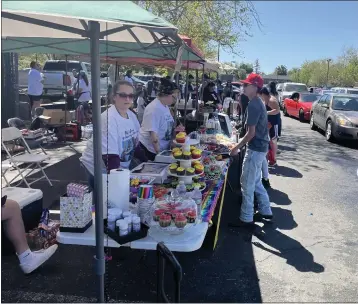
point(254, 79)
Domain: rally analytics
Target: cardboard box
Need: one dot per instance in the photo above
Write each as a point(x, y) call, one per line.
point(55, 116)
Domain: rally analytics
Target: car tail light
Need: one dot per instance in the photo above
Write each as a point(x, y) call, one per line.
point(67, 80)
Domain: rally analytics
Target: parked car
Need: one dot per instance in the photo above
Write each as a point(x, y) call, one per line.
point(337, 115)
point(322, 92)
point(285, 90)
point(345, 90)
point(299, 105)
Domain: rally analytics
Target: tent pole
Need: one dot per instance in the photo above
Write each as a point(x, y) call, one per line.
point(94, 33)
point(66, 92)
point(186, 89)
point(202, 84)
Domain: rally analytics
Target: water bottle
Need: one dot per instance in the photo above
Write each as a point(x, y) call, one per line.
point(181, 189)
point(198, 199)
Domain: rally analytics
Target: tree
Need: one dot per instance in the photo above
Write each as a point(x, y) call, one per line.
point(208, 23)
point(257, 66)
point(248, 67)
point(241, 74)
point(281, 70)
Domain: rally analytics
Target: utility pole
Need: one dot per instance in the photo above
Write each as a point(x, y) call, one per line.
point(217, 74)
point(328, 61)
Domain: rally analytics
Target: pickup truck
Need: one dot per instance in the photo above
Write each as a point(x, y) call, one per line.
point(56, 81)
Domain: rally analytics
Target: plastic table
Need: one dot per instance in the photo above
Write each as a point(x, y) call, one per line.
point(148, 243)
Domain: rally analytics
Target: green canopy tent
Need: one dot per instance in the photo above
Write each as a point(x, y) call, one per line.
point(76, 27)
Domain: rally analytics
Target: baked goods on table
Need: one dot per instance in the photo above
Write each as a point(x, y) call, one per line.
point(181, 171)
point(180, 137)
point(199, 169)
point(165, 220)
point(173, 168)
point(180, 220)
point(196, 154)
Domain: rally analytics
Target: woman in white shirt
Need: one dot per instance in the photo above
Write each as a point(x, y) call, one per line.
point(158, 124)
point(128, 77)
point(120, 131)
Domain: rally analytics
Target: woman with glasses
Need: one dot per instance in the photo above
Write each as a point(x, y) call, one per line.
point(119, 132)
point(157, 128)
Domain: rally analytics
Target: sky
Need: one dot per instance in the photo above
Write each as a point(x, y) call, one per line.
point(295, 31)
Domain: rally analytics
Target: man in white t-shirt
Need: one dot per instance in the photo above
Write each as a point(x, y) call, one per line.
point(35, 85)
point(158, 123)
point(119, 133)
point(128, 77)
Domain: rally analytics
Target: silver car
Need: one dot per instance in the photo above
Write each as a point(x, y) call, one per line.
point(337, 115)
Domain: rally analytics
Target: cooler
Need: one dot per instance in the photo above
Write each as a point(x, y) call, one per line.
point(30, 202)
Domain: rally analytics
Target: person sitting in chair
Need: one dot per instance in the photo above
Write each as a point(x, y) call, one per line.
point(14, 229)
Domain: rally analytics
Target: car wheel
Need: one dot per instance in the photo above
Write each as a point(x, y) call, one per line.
point(312, 124)
point(285, 111)
point(301, 115)
point(328, 133)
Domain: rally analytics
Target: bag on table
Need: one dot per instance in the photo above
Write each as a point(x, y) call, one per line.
point(40, 238)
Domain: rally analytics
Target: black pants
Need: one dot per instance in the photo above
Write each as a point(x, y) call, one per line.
point(150, 155)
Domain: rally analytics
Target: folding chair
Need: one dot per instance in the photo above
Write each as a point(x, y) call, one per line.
point(4, 169)
point(32, 161)
point(165, 256)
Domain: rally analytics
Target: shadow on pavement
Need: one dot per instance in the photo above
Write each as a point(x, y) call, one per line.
point(285, 172)
point(283, 219)
point(278, 197)
point(287, 248)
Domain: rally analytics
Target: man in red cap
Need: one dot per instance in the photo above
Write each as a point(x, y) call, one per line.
point(257, 140)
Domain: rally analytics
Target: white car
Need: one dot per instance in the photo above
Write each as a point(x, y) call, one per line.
point(345, 90)
point(285, 90)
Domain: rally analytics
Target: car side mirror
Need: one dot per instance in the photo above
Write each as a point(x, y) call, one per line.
point(279, 90)
point(325, 105)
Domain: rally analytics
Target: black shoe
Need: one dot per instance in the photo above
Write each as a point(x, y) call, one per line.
point(258, 217)
point(266, 183)
point(241, 224)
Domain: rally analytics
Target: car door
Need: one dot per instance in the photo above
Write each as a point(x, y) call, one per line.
point(326, 109)
point(318, 110)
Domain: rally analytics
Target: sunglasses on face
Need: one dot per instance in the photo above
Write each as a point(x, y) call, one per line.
point(124, 95)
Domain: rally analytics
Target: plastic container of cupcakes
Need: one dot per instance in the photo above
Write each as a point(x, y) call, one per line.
point(174, 218)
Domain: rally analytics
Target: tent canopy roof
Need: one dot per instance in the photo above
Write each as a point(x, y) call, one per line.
point(61, 27)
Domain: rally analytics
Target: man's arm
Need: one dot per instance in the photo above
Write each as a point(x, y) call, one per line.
point(250, 134)
point(155, 141)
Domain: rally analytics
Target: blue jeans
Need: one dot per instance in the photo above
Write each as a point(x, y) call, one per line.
point(251, 184)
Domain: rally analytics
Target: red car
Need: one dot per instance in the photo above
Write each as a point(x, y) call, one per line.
point(299, 105)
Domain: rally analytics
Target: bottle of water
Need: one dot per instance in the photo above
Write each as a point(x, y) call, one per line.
point(198, 199)
point(181, 189)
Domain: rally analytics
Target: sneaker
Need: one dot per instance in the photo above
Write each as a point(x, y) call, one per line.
point(266, 183)
point(272, 164)
point(258, 217)
point(37, 259)
point(241, 224)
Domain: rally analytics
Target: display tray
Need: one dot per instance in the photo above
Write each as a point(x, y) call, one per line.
point(176, 175)
point(190, 141)
point(76, 230)
point(133, 236)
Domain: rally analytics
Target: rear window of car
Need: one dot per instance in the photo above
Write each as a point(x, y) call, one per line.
point(345, 103)
point(309, 97)
point(295, 88)
point(61, 66)
point(352, 92)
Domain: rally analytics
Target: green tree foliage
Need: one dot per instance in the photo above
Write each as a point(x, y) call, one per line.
point(248, 67)
point(342, 72)
point(257, 66)
point(281, 70)
point(208, 23)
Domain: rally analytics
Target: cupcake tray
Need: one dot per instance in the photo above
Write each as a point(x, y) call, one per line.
point(190, 141)
point(172, 229)
point(188, 179)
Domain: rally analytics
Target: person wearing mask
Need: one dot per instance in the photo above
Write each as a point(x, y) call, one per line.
point(190, 87)
point(141, 104)
point(210, 97)
point(11, 218)
point(257, 141)
point(128, 77)
point(228, 90)
point(152, 88)
point(35, 86)
point(274, 94)
point(119, 133)
point(158, 123)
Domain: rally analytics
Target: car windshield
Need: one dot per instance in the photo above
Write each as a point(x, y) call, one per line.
point(355, 92)
point(295, 88)
point(345, 103)
point(309, 97)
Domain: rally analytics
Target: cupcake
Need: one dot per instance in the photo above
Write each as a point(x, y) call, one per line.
point(219, 157)
point(176, 150)
point(196, 153)
point(178, 155)
point(174, 214)
point(165, 220)
point(195, 162)
point(173, 168)
point(180, 220)
point(196, 185)
point(186, 155)
point(199, 169)
point(180, 171)
point(180, 138)
point(202, 185)
point(157, 213)
point(192, 148)
point(191, 216)
point(189, 188)
point(190, 171)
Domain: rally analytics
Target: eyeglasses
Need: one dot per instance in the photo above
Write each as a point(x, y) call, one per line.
point(124, 95)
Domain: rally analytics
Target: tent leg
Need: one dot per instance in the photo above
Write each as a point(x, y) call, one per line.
point(186, 89)
point(94, 31)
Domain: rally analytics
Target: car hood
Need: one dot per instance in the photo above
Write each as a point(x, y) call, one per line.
point(351, 115)
point(306, 105)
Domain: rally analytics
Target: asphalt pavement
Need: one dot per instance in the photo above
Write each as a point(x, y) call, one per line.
point(309, 253)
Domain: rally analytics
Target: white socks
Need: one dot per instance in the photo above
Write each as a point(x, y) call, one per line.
point(25, 256)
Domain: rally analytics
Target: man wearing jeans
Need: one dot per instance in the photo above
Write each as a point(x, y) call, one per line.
point(257, 140)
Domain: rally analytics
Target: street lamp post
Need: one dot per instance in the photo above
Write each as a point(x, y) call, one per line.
point(328, 61)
